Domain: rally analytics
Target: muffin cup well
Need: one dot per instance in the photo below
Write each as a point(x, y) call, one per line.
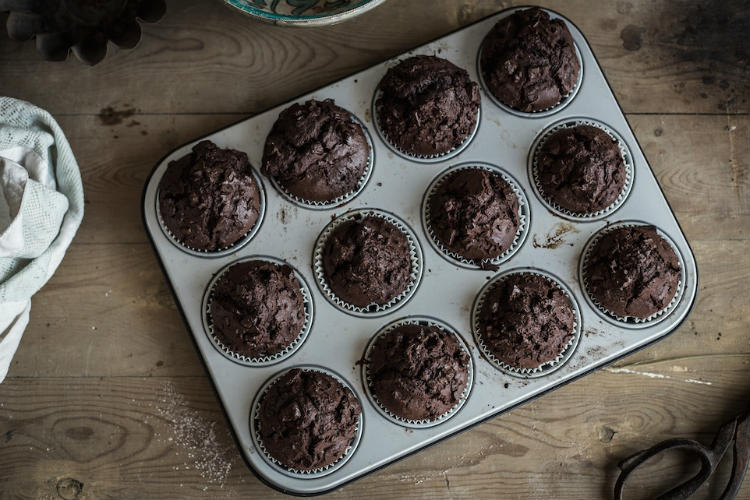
point(344, 198)
point(545, 368)
point(255, 428)
point(415, 157)
point(368, 383)
point(226, 250)
point(524, 218)
point(567, 99)
point(270, 359)
point(373, 310)
point(629, 321)
point(533, 169)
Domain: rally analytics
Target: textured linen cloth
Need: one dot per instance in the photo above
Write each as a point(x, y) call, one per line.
point(41, 207)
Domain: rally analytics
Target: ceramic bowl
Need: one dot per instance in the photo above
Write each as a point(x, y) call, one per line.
point(303, 12)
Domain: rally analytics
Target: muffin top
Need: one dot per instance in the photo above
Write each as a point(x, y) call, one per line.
point(529, 60)
point(474, 213)
point(428, 105)
point(418, 372)
point(366, 261)
point(632, 271)
point(316, 151)
point(526, 320)
point(308, 419)
point(581, 169)
point(208, 199)
point(257, 308)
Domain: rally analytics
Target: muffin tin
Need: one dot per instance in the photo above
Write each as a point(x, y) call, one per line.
point(446, 290)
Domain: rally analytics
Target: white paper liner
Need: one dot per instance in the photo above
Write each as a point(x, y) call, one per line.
point(547, 367)
point(263, 360)
point(629, 321)
point(368, 383)
point(524, 217)
point(416, 157)
point(344, 198)
point(278, 466)
point(627, 159)
point(373, 310)
point(564, 101)
point(226, 250)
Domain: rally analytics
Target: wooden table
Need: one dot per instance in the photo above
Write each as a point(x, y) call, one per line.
point(107, 397)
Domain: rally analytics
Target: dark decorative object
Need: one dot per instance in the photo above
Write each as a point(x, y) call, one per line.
point(83, 25)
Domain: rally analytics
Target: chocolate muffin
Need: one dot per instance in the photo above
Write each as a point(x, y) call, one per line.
point(526, 320)
point(367, 261)
point(418, 372)
point(632, 271)
point(529, 61)
point(428, 105)
point(257, 308)
point(474, 213)
point(581, 169)
point(308, 419)
point(209, 199)
point(316, 151)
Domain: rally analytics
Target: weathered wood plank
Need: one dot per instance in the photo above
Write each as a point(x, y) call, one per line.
point(661, 56)
point(165, 437)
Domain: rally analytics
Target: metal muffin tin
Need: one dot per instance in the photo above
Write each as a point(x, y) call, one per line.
point(446, 291)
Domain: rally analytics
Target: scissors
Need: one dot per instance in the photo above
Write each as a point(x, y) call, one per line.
point(737, 430)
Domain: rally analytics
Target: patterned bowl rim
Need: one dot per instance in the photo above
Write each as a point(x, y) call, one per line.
point(259, 13)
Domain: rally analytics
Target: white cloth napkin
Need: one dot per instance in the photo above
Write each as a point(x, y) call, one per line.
point(41, 207)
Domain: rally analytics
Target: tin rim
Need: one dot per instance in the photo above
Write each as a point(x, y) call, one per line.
point(524, 218)
point(372, 310)
point(625, 154)
point(270, 359)
point(254, 423)
point(630, 321)
point(367, 382)
point(548, 367)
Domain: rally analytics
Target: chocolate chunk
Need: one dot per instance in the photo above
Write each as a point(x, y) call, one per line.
point(529, 60)
point(526, 320)
point(308, 419)
point(316, 151)
point(428, 105)
point(257, 308)
point(632, 271)
point(208, 199)
point(418, 372)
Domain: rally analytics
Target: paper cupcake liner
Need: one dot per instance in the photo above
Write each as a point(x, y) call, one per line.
point(255, 429)
point(627, 159)
point(344, 198)
point(416, 157)
point(564, 101)
point(368, 382)
point(524, 218)
point(373, 310)
point(629, 321)
point(270, 359)
point(547, 367)
point(228, 249)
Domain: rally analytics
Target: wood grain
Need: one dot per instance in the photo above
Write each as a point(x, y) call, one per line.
point(661, 56)
point(126, 437)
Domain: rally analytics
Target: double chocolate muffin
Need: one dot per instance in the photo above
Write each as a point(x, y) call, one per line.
point(209, 199)
point(308, 419)
point(529, 61)
point(257, 308)
point(428, 106)
point(526, 320)
point(474, 213)
point(316, 151)
point(418, 372)
point(632, 272)
point(580, 169)
point(367, 261)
